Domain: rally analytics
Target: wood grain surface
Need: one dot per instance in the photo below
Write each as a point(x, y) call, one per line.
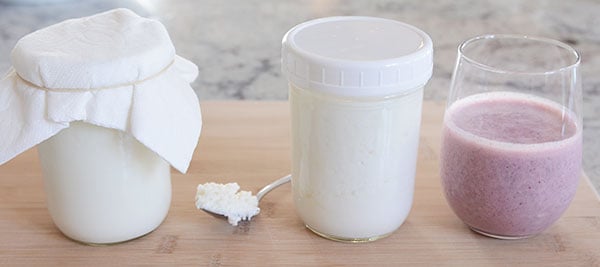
point(248, 142)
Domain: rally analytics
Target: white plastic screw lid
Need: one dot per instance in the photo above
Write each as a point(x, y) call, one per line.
point(357, 56)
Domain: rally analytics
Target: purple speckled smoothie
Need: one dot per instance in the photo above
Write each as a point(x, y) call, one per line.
point(510, 162)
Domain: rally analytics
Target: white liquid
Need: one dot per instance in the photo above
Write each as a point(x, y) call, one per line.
point(353, 162)
point(102, 185)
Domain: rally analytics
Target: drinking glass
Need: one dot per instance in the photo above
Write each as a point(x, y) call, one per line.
point(512, 134)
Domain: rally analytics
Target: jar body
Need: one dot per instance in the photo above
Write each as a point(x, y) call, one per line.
point(354, 162)
point(102, 185)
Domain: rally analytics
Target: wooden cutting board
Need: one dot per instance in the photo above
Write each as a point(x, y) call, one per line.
point(248, 142)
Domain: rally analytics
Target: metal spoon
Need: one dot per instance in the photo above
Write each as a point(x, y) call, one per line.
point(261, 193)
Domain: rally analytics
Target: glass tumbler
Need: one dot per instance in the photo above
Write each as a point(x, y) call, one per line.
point(512, 134)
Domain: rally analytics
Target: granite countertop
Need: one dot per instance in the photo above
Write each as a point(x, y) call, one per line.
point(236, 44)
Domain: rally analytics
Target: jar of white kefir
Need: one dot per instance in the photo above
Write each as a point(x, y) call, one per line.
point(356, 88)
point(102, 185)
point(108, 103)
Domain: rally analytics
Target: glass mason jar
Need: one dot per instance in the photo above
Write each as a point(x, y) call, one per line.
point(102, 185)
point(356, 88)
point(512, 136)
point(109, 124)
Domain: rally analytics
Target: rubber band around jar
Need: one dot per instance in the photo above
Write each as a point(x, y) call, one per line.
point(79, 90)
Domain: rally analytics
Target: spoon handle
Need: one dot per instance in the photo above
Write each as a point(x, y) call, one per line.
point(265, 190)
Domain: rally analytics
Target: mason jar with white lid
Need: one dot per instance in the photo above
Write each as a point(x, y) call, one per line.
point(109, 104)
point(356, 88)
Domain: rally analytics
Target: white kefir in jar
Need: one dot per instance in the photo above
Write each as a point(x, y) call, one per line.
point(356, 88)
point(354, 161)
point(102, 185)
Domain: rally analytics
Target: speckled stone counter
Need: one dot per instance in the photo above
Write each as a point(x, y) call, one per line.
point(236, 44)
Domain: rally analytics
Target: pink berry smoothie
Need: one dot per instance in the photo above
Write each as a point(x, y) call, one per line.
point(510, 163)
